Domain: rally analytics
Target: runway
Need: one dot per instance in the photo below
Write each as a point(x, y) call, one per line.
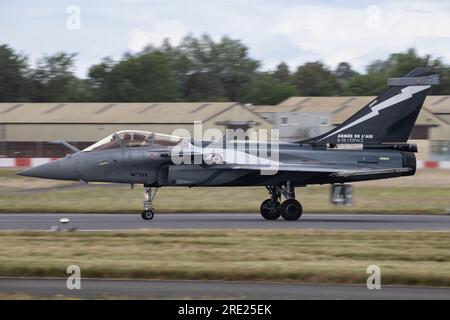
point(159, 289)
point(90, 222)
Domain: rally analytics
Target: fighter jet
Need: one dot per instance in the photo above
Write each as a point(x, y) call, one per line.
point(371, 144)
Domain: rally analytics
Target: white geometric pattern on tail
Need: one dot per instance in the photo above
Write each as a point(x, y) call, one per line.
point(405, 94)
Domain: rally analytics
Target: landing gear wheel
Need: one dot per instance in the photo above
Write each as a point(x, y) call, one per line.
point(270, 209)
point(148, 214)
point(291, 210)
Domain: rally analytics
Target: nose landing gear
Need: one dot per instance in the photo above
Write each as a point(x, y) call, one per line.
point(290, 209)
point(149, 211)
point(148, 214)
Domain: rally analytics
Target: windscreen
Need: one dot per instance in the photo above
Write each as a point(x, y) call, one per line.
point(110, 142)
point(133, 139)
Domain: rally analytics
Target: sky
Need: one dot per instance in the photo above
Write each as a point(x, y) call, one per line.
point(295, 32)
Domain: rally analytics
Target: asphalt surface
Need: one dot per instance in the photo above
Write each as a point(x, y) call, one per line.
point(157, 289)
point(45, 221)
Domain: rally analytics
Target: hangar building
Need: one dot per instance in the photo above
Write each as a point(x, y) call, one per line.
point(26, 128)
point(300, 118)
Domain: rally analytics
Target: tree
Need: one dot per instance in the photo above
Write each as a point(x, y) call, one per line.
point(79, 91)
point(268, 90)
point(13, 75)
point(282, 73)
point(314, 79)
point(235, 68)
point(444, 81)
point(344, 71)
point(197, 71)
point(213, 71)
point(399, 64)
point(53, 78)
point(370, 84)
point(145, 76)
point(396, 65)
point(98, 79)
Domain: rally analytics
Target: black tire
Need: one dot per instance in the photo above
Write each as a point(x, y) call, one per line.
point(148, 214)
point(270, 210)
point(291, 210)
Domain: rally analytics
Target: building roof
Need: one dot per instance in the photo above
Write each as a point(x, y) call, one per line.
point(343, 107)
point(159, 113)
point(436, 104)
point(303, 102)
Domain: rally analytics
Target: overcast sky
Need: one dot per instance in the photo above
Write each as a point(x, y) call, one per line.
point(284, 30)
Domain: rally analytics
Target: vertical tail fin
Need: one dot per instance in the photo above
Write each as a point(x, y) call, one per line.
point(388, 118)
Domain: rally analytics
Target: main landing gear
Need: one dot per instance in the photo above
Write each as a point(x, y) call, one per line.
point(290, 209)
point(149, 195)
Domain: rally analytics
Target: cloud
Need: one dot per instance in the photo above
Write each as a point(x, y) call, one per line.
point(293, 31)
point(172, 29)
point(336, 34)
point(296, 33)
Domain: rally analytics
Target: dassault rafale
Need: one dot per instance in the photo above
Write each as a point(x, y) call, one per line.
point(377, 135)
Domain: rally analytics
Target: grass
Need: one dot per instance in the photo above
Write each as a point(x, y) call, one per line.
point(314, 199)
point(405, 258)
point(428, 192)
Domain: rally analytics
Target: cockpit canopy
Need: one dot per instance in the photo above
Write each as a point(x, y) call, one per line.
point(135, 138)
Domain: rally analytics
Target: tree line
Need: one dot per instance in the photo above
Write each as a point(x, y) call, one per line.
point(198, 69)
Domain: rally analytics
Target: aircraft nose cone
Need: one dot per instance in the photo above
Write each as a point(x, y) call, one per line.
point(60, 170)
